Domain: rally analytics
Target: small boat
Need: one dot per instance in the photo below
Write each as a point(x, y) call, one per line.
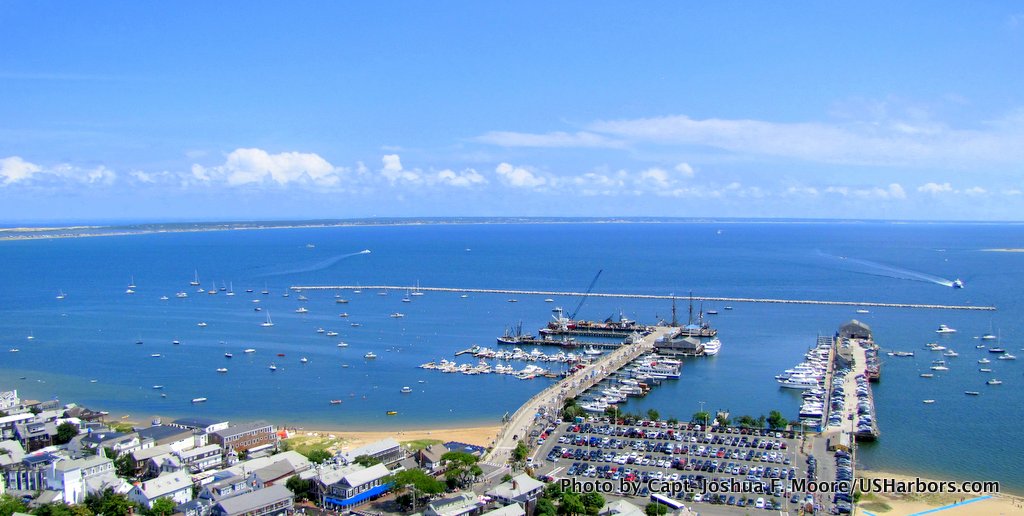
point(164, 298)
point(129, 291)
point(984, 361)
point(945, 329)
point(957, 283)
point(222, 369)
point(93, 381)
point(139, 341)
point(994, 382)
point(939, 365)
point(382, 293)
point(14, 350)
point(257, 309)
point(273, 367)
point(985, 370)
point(951, 353)
point(549, 300)
point(181, 295)
point(248, 290)
point(280, 354)
point(1007, 357)
point(301, 310)
point(31, 336)
point(162, 395)
point(513, 300)
point(320, 330)
point(864, 311)
point(392, 412)
point(201, 324)
point(406, 390)
point(464, 296)
point(341, 301)
point(155, 355)
point(198, 400)
point(417, 291)
point(355, 325)
point(249, 350)
point(972, 393)
point(332, 334)
point(175, 342)
point(727, 307)
point(335, 402)
point(343, 314)
point(370, 355)
point(343, 344)
point(397, 315)
point(158, 387)
point(929, 401)
point(406, 300)
point(927, 375)
point(712, 312)
point(231, 290)
point(303, 360)
point(228, 355)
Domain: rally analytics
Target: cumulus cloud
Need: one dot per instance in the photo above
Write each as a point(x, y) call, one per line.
point(257, 166)
point(935, 188)
point(15, 170)
point(466, 178)
point(395, 173)
point(519, 177)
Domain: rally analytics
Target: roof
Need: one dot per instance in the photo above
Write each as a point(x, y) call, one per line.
point(374, 448)
point(455, 504)
point(623, 508)
point(242, 428)
point(463, 447)
point(196, 422)
point(202, 450)
point(88, 462)
point(254, 500)
point(99, 437)
point(298, 461)
point(16, 418)
point(434, 452)
point(14, 452)
point(158, 433)
point(366, 475)
point(275, 471)
point(165, 484)
point(523, 484)
point(333, 474)
point(149, 453)
point(39, 458)
point(508, 510)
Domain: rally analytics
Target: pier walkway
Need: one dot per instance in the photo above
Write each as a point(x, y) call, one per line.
point(551, 398)
point(865, 304)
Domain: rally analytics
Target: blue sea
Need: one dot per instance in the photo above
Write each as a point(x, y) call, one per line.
point(92, 333)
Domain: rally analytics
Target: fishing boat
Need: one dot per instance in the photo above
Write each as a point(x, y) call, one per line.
point(222, 369)
point(268, 323)
point(198, 400)
point(392, 412)
point(945, 329)
point(406, 390)
point(370, 355)
point(994, 382)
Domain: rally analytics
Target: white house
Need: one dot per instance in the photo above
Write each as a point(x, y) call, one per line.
point(78, 478)
point(176, 487)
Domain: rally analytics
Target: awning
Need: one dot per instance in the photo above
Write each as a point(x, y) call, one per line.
point(361, 497)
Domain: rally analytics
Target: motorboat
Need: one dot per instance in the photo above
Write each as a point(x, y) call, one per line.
point(994, 382)
point(957, 283)
point(332, 334)
point(984, 361)
point(945, 329)
point(397, 315)
point(273, 367)
point(951, 353)
point(927, 375)
point(939, 365)
point(406, 390)
point(303, 360)
point(370, 355)
point(335, 402)
point(929, 401)
point(198, 400)
point(222, 369)
point(985, 370)
point(972, 393)
point(301, 310)
point(201, 324)
point(249, 350)
point(228, 355)
point(712, 347)
point(1007, 357)
point(343, 344)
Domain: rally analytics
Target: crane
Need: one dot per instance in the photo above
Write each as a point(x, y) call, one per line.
point(585, 294)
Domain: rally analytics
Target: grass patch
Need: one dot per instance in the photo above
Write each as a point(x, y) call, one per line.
point(875, 506)
point(419, 444)
point(305, 444)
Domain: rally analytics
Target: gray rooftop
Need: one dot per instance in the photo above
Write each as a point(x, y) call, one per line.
point(254, 500)
point(196, 422)
point(242, 428)
point(158, 433)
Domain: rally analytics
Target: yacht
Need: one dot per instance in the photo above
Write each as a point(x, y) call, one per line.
point(988, 336)
point(996, 350)
point(802, 382)
point(222, 369)
point(231, 290)
point(370, 355)
point(712, 347)
point(406, 390)
point(195, 279)
point(939, 365)
point(1007, 357)
point(301, 310)
point(592, 351)
point(60, 294)
point(945, 329)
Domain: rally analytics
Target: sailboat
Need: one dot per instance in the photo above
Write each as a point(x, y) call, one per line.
point(231, 290)
point(268, 322)
point(195, 280)
point(417, 291)
point(61, 295)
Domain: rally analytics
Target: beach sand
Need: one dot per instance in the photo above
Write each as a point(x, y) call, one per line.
point(904, 504)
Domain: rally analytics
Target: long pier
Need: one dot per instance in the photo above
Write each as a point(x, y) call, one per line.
point(862, 304)
point(518, 425)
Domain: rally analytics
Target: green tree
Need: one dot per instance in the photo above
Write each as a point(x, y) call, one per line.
point(746, 421)
point(124, 465)
point(65, 432)
point(722, 419)
point(760, 421)
point(162, 507)
point(673, 421)
point(655, 509)
point(366, 460)
point(545, 508)
point(700, 417)
point(592, 502)
point(571, 505)
point(10, 505)
point(318, 455)
point(652, 415)
point(462, 468)
point(110, 503)
point(520, 452)
point(416, 481)
point(298, 486)
point(776, 421)
point(53, 509)
point(507, 477)
point(572, 412)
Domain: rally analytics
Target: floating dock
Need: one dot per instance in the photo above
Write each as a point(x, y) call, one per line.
point(548, 293)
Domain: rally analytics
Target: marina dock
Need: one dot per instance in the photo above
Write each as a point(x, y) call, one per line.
point(551, 398)
point(548, 293)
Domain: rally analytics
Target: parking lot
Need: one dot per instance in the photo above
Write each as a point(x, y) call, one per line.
point(715, 471)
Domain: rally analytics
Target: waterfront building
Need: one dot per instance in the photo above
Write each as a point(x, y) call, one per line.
point(176, 486)
point(342, 486)
point(248, 437)
point(388, 451)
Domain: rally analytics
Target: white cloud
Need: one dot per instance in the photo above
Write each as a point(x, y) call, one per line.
point(394, 172)
point(257, 166)
point(975, 191)
point(935, 188)
point(466, 178)
point(808, 191)
point(519, 177)
point(685, 170)
point(556, 139)
point(15, 169)
point(656, 177)
point(893, 192)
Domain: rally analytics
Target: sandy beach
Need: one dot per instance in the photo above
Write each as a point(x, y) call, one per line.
point(905, 504)
point(480, 436)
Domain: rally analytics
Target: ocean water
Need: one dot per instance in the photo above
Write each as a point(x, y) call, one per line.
point(92, 333)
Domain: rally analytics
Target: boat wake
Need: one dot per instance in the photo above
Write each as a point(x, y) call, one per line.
point(315, 266)
point(870, 268)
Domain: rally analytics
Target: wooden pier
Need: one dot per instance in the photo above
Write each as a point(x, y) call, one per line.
point(548, 293)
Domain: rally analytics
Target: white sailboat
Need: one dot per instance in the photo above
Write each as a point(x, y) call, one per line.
point(268, 323)
point(417, 291)
point(195, 280)
point(60, 294)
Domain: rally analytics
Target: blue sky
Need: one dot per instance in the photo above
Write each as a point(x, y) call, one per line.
point(269, 110)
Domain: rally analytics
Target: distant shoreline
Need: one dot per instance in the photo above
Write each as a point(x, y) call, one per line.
point(96, 230)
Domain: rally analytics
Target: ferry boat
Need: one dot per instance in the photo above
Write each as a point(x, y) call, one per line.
point(945, 329)
point(800, 382)
point(406, 390)
point(712, 347)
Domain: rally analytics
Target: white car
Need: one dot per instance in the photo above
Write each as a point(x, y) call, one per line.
point(759, 503)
